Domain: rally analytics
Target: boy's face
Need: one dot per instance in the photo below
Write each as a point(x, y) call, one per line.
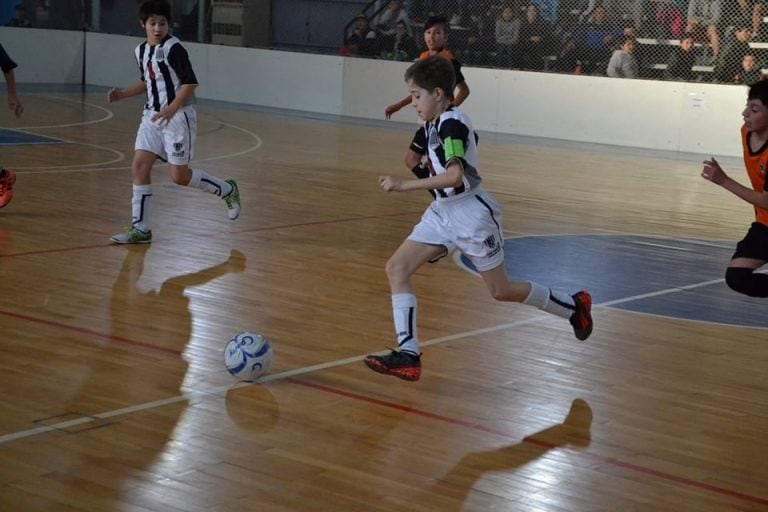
point(427, 104)
point(748, 63)
point(686, 44)
point(435, 38)
point(756, 116)
point(156, 28)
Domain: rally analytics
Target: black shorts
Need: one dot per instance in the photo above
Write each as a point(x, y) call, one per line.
point(755, 243)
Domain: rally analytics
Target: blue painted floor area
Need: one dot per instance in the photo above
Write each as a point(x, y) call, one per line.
point(659, 276)
point(13, 137)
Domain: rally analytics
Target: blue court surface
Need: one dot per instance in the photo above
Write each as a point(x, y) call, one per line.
point(680, 278)
point(13, 137)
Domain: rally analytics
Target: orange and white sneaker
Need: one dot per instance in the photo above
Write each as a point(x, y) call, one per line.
point(581, 319)
point(7, 179)
point(402, 365)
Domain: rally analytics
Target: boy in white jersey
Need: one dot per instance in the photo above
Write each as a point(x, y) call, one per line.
point(169, 124)
point(462, 216)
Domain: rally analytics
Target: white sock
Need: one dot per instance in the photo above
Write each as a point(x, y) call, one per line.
point(404, 315)
point(140, 206)
point(557, 303)
point(203, 181)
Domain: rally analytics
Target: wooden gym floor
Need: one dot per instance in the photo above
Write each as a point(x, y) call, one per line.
point(115, 397)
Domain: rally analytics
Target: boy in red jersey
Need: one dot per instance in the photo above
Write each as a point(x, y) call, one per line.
point(7, 176)
point(751, 252)
point(435, 37)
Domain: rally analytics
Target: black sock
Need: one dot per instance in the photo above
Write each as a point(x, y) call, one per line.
point(747, 281)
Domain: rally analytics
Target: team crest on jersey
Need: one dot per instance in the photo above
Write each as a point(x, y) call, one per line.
point(761, 169)
point(492, 243)
point(178, 149)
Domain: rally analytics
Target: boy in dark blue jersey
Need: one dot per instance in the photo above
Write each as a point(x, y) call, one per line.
point(169, 124)
point(462, 216)
point(7, 176)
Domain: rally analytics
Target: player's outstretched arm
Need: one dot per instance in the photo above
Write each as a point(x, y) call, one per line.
point(714, 173)
point(134, 89)
point(395, 107)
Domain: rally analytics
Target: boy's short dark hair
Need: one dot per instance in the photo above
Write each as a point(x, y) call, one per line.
point(432, 73)
point(436, 20)
point(155, 8)
point(759, 91)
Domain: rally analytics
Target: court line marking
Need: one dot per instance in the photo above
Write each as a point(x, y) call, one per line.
point(194, 397)
point(191, 396)
point(97, 167)
point(536, 442)
point(197, 396)
point(109, 115)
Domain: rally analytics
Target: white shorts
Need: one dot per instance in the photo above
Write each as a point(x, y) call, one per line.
point(173, 141)
point(470, 222)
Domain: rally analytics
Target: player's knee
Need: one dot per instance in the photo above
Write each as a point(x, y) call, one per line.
point(181, 175)
point(739, 279)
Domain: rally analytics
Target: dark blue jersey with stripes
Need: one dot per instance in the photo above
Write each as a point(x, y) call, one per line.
point(164, 69)
point(6, 63)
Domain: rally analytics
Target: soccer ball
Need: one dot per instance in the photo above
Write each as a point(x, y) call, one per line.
point(248, 355)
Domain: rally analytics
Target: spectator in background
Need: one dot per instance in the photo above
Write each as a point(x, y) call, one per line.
point(622, 12)
point(681, 61)
point(400, 45)
point(362, 41)
point(730, 60)
point(547, 10)
point(507, 35)
point(745, 13)
point(384, 23)
point(749, 72)
point(20, 17)
point(596, 40)
point(568, 59)
point(703, 19)
point(480, 39)
point(535, 34)
point(670, 19)
point(623, 63)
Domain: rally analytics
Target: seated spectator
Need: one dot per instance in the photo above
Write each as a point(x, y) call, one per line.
point(703, 18)
point(749, 72)
point(596, 40)
point(535, 35)
point(384, 23)
point(547, 10)
point(670, 19)
point(621, 12)
point(744, 13)
point(399, 46)
point(20, 17)
point(681, 61)
point(507, 36)
point(568, 59)
point(480, 40)
point(623, 63)
point(362, 40)
point(730, 61)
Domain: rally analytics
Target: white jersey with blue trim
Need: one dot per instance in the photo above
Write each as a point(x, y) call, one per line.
point(451, 137)
point(164, 69)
